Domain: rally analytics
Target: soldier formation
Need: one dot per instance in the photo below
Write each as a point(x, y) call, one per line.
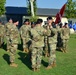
point(37, 40)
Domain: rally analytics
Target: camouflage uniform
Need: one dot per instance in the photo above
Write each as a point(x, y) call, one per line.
point(2, 33)
point(59, 39)
point(37, 46)
point(65, 38)
point(52, 47)
point(46, 51)
point(7, 25)
point(13, 35)
point(25, 35)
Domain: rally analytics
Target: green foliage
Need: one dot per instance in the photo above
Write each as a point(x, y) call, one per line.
point(35, 7)
point(2, 7)
point(29, 7)
point(33, 19)
point(70, 9)
point(74, 3)
point(66, 62)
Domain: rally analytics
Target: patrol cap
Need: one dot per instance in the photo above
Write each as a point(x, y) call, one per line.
point(14, 21)
point(60, 24)
point(26, 20)
point(39, 21)
point(49, 18)
point(65, 23)
point(33, 23)
point(10, 19)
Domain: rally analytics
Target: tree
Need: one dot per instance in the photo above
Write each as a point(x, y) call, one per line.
point(75, 4)
point(70, 9)
point(32, 9)
point(2, 7)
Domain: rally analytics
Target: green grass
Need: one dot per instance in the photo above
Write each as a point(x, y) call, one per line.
point(66, 62)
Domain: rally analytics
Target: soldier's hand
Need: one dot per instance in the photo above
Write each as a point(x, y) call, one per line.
point(45, 30)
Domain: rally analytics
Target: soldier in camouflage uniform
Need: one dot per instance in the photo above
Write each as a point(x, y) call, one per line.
point(7, 25)
point(2, 33)
point(13, 35)
point(25, 35)
point(33, 24)
point(52, 40)
point(59, 39)
point(37, 34)
point(65, 37)
point(46, 50)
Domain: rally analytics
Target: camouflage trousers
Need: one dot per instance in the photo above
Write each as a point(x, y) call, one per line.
point(36, 57)
point(25, 45)
point(1, 40)
point(52, 57)
point(13, 49)
point(8, 42)
point(59, 42)
point(46, 50)
point(65, 44)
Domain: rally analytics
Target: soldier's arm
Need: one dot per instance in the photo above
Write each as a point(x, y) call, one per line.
point(46, 31)
point(20, 31)
point(62, 33)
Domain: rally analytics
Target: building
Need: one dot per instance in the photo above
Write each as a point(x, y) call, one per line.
point(20, 13)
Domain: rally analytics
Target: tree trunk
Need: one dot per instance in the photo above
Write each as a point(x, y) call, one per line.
point(32, 8)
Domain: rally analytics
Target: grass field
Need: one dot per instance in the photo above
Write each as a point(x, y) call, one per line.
point(66, 62)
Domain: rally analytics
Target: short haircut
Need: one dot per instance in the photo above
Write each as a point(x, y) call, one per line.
point(49, 18)
point(26, 20)
point(39, 21)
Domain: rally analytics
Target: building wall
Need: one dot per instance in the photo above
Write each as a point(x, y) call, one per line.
point(64, 19)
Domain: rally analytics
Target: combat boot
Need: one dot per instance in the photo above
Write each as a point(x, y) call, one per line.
point(34, 69)
point(37, 69)
point(54, 64)
point(46, 55)
point(8, 50)
point(49, 67)
point(13, 65)
point(23, 50)
point(65, 51)
point(62, 50)
point(26, 50)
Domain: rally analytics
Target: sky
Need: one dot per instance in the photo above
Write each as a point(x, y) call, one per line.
point(56, 4)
